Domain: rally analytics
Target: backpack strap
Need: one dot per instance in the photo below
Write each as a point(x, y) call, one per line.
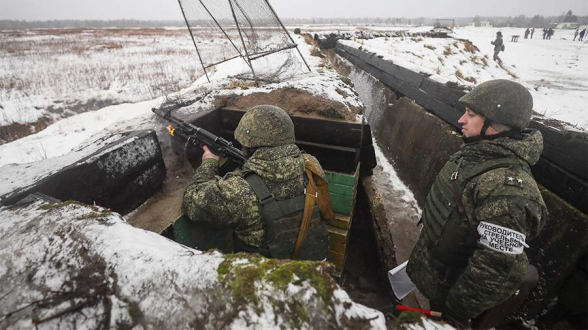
point(270, 209)
point(310, 195)
point(317, 191)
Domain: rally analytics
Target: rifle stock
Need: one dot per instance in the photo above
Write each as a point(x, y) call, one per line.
point(195, 135)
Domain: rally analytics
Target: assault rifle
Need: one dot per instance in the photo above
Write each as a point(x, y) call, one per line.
point(197, 136)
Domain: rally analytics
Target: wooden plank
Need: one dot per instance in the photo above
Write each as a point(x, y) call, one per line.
point(340, 178)
point(341, 204)
point(442, 110)
point(337, 247)
point(401, 73)
point(570, 188)
point(317, 130)
point(567, 149)
point(340, 189)
point(210, 120)
point(337, 259)
point(413, 78)
point(445, 94)
point(341, 221)
point(337, 234)
point(331, 157)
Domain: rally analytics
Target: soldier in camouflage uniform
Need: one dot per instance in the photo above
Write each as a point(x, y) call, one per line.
point(482, 209)
point(267, 136)
point(498, 46)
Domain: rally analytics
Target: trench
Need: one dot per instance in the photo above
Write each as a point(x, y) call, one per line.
point(363, 274)
point(398, 124)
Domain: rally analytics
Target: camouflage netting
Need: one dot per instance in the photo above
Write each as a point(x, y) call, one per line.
point(223, 30)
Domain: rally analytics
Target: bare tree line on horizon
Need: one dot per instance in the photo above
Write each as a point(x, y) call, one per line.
point(497, 21)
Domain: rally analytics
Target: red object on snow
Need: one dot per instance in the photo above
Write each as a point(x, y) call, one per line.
point(427, 312)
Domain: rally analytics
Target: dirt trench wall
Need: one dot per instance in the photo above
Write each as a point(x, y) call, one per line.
point(418, 144)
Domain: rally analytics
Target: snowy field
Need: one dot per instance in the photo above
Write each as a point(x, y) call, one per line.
point(61, 137)
point(56, 73)
point(553, 70)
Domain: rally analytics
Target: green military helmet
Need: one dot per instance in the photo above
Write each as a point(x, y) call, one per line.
point(265, 126)
point(501, 101)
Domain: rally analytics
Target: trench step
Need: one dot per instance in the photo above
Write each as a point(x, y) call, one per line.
point(341, 221)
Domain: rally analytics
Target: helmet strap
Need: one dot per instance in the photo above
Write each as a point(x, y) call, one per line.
point(513, 133)
point(487, 124)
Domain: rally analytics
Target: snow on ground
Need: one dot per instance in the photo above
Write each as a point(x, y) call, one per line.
point(551, 69)
point(555, 71)
point(73, 266)
point(61, 137)
point(56, 73)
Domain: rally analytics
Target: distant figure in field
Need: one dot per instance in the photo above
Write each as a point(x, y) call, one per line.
point(498, 46)
point(527, 33)
point(532, 32)
point(544, 33)
point(576, 33)
point(582, 35)
point(550, 33)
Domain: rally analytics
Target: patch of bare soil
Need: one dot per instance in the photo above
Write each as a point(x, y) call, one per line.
point(294, 101)
point(165, 206)
point(16, 131)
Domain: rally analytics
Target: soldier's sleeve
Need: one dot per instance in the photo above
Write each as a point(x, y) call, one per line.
point(508, 210)
point(212, 199)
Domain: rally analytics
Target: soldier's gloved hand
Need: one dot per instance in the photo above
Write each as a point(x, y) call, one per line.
point(208, 154)
point(455, 321)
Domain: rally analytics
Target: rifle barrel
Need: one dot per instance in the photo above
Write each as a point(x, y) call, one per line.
point(216, 143)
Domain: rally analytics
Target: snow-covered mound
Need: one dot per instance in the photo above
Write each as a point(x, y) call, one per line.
point(72, 266)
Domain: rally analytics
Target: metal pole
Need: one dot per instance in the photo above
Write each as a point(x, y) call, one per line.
point(221, 28)
point(283, 27)
point(243, 41)
point(194, 41)
point(246, 16)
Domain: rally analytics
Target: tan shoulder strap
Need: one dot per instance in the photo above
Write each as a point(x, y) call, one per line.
point(317, 190)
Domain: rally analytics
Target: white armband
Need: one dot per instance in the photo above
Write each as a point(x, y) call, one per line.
point(501, 239)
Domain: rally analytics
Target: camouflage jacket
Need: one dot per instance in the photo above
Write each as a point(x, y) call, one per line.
point(229, 202)
point(497, 44)
point(473, 273)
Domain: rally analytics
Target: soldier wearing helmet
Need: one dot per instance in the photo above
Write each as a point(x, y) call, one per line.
point(498, 46)
point(482, 212)
point(264, 200)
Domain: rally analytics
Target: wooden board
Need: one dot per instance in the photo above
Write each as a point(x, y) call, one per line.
point(569, 150)
point(337, 234)
point(340, 178)
point(318, 130)
point(441, 109)
point(341, 204)
point(312, 133)
point(445, 94)
point(341, 221)
point(337, 246)
point(339, 189)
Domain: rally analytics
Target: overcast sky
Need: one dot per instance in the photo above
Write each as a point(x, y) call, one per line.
point(169, 9)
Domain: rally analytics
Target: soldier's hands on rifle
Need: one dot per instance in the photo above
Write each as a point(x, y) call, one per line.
point(209, 155)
